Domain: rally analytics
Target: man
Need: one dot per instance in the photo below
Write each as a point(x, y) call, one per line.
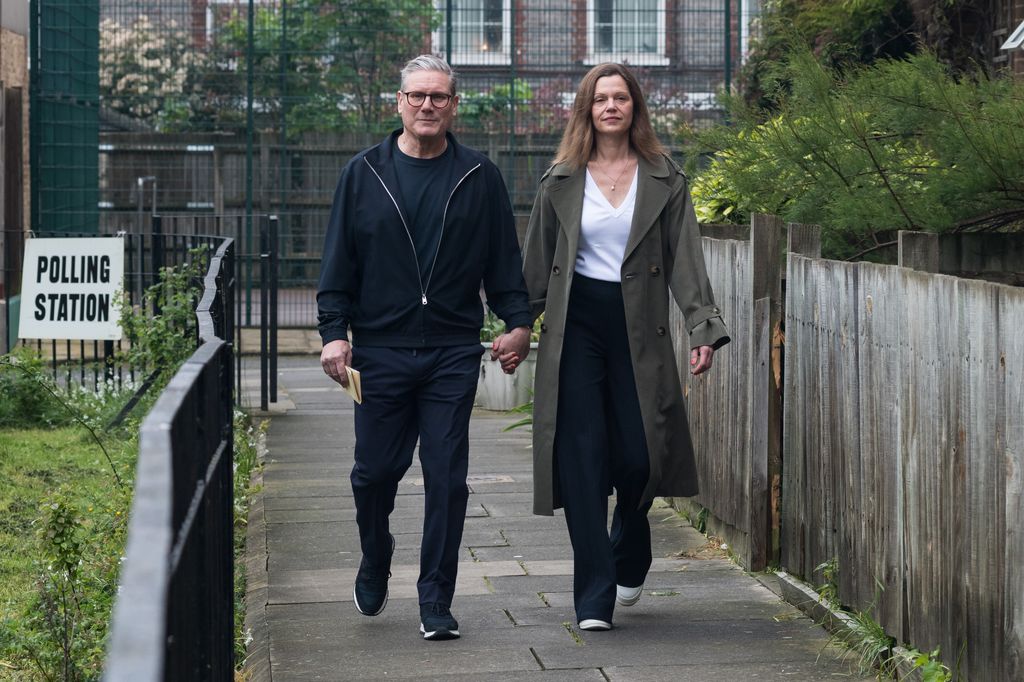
point(418, 223)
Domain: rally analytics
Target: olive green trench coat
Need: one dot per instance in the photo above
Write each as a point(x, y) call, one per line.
point(663, 253)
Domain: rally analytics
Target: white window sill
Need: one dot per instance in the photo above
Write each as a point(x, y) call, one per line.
point(480, 58)
point(633, 59)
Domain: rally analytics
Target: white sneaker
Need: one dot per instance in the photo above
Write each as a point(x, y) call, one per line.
point(627, 596)
point(593, 624)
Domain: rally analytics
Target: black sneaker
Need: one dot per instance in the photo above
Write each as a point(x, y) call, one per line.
point(437, 622)
point(370, 592)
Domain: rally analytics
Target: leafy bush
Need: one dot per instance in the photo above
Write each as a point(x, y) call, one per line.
point(26, 388)
point(899, 145)
point(162, 331)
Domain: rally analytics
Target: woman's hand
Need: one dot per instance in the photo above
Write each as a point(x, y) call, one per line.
point(700, 359)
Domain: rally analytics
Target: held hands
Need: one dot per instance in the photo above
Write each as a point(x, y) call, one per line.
point(511, 348)
point(700, 359)
point(334, 358)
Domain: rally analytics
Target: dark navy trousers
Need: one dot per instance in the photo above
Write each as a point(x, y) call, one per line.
point(408, 395)
point(600, 445)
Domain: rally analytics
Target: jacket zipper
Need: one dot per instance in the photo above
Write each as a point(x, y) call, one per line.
point(444, 219)
point(408, 232)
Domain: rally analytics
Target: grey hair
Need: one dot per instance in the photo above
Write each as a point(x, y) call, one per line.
point(428, 62)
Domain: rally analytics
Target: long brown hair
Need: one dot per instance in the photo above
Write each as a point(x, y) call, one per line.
point(578, 139)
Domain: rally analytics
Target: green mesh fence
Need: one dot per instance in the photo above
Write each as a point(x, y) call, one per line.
point(219, 106)
point(64, 112)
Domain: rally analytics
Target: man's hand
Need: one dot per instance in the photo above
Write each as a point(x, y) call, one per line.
point(511, 348)
point(334, 358)
point(700, 359)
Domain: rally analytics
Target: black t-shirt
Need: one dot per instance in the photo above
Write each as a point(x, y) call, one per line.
point(423, 185)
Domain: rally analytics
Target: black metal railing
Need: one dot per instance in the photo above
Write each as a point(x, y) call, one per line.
point(174, 615)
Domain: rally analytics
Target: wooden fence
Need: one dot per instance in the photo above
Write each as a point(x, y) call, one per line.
point(887, 438)
point(734, 410)
point(904, 453)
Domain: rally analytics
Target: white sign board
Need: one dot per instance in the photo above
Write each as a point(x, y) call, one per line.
point(71, 288)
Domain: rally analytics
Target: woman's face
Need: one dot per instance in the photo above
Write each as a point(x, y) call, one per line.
point(612, 110)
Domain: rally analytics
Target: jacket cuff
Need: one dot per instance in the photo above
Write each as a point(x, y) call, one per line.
point(519, 320)
point(695, 319)
point(710, 332)
point(334, 334)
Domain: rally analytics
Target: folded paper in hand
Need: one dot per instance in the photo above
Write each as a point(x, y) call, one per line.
point(355, 386)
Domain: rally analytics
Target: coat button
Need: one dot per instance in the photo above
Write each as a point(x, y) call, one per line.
point(661, 331)
point(543, 328)
point(655, 271)
point(556, 270)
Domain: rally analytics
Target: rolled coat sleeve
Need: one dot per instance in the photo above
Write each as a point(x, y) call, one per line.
point(689, 282)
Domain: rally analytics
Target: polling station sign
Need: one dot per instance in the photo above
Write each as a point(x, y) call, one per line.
point(71, 287)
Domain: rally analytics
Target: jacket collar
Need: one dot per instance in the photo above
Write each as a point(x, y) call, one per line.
point(383, 155)
point(566, 194)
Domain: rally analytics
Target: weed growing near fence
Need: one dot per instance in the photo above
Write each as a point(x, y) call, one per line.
point(249, 436)
point(162, 331)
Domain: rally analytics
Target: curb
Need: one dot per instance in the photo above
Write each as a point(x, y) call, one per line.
point(838, 623)
point(256, 667)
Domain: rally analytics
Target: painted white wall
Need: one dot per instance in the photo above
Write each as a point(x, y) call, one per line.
point(14, 16)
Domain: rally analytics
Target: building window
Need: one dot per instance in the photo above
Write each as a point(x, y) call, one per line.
point(627, 31)
point(479, 31)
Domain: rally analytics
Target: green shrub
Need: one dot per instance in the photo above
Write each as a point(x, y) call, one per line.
point(901, 145)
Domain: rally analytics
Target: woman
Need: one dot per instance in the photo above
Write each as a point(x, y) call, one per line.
point(611, 233)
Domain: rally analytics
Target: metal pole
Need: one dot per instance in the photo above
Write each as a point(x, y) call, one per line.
point(728, 45)
point(264, 312)
point(448, 31)
point(157, 256)
point(511, 173)
point(249, 125)
point(274, 250)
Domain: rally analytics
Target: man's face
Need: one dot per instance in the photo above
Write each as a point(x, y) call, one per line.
point(427, 121)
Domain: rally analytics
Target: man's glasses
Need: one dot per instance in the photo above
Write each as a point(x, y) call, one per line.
point(439, 99)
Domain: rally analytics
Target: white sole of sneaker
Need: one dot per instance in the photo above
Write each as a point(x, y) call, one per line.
point(439, 635)
point(627, 596)
point(360, 608)
point(594, 625)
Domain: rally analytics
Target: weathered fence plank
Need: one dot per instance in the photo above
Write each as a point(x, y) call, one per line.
point(1010, 454)
point(981, 405)
point(880, 309)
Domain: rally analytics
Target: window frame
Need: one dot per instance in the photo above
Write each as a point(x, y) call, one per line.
point(502, 57)
point(657, 58)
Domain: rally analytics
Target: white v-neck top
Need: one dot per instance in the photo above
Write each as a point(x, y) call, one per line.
point(604, 231)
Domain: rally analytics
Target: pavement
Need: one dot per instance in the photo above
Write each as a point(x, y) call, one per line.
point(701, 617)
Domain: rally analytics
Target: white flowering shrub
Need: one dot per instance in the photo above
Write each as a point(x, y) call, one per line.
point(148, 72)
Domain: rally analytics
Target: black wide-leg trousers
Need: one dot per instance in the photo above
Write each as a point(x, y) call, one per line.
point(412, 394)
point(600, 445)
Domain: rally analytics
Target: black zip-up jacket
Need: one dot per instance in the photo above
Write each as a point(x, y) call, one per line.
point(371, 282)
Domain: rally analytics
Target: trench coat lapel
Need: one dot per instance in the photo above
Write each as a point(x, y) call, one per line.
point(651, 197)
point(566, 196)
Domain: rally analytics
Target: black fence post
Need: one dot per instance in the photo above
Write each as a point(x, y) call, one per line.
point(264, 312)
point(157, 255)
point(274, 252)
